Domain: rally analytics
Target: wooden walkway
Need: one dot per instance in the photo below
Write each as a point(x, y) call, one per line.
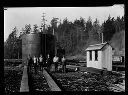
point(51, 82)
point(24, 82)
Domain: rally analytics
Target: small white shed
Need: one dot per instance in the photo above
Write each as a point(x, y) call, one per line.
point(99, 56)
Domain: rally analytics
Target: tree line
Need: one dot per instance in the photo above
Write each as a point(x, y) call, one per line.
point(74, 36)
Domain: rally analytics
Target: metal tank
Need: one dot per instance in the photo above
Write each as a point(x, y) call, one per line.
point(31, 44)
point(36, 44)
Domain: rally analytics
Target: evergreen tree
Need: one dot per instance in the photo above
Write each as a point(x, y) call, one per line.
point(35, 28)
point(27, 28)
point(54, 24)
point(12, 47)
point(96, 30)
point(89, 24)
point(109, 29)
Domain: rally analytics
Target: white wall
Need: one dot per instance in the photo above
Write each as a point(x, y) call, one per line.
point(93, 63)
point(104, 60)
point(87, 58)
point(107, 57)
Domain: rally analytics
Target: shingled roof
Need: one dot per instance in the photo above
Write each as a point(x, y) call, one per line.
point(96, 46)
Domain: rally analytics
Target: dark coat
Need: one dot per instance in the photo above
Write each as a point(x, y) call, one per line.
point(30, 61)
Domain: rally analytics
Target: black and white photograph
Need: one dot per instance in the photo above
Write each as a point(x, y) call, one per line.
point(64, 49)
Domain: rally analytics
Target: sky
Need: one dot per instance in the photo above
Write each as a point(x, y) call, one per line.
point(20, 16)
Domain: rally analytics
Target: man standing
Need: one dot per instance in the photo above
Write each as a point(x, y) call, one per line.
point(30, 61)
point(41, 62)
point(55, 60)
point(48, 62)
point(63, 64)
point(35, 64)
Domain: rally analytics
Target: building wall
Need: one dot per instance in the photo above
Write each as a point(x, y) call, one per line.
point(93, 63)
point(107, 57)
point(104, 64)
point(104, 59)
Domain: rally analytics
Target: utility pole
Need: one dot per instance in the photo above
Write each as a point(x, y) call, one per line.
point(44, 31)
point(43, 23)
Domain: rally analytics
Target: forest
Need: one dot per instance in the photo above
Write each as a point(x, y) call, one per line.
point(74, 36)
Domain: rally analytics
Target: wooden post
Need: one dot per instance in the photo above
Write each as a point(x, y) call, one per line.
point(102, 37)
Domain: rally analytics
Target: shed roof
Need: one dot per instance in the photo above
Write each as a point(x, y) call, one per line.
point(96, 46)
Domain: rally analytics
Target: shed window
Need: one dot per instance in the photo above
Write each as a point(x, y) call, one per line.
point(90, 53)
point(96, 55)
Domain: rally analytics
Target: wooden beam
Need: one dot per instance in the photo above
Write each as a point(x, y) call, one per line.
point(51, 82)
point(12, 60)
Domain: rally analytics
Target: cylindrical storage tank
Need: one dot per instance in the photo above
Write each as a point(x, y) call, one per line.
point(31, 44)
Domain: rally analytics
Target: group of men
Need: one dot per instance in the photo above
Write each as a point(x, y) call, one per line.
point(40, 63)
point(56, 62)
point(35, 62)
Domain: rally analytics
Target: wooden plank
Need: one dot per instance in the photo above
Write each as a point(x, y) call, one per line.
point(24, 82)
point(12, 60)
point(91, 70)
point(72, 66)
point(82, 62)
point(119, 66)
point(51, 82)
